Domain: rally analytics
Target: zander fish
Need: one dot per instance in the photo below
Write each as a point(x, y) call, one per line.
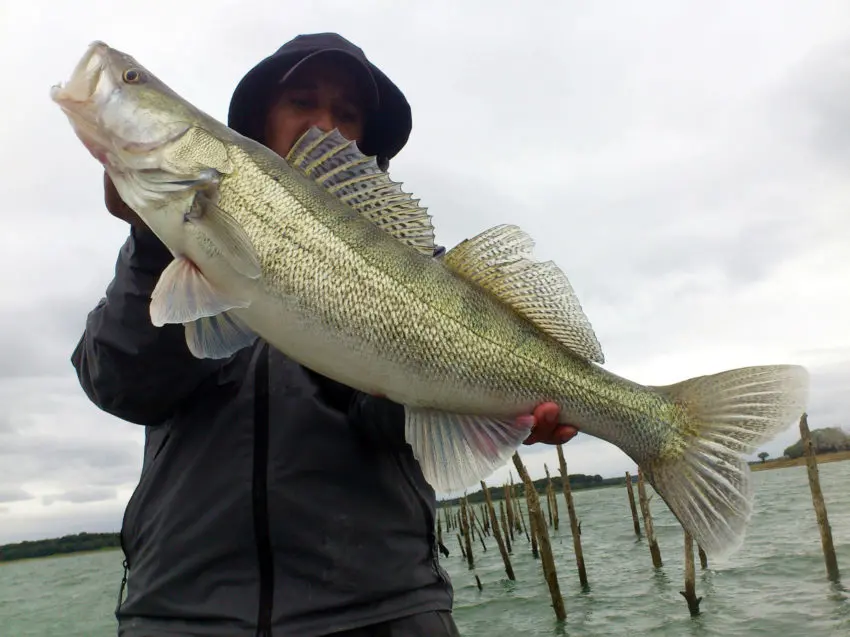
point(326, 258)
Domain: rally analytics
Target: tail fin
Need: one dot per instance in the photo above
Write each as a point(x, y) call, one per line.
point(707, 485)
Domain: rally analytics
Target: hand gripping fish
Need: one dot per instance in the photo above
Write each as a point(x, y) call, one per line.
point(326, 258)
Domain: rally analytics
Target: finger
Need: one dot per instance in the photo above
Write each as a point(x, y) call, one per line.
point(545, 420)
point(565, 433)
point(547, 413)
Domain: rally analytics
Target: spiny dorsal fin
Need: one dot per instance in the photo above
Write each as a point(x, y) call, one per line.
point(500, 261)
point(337, 164)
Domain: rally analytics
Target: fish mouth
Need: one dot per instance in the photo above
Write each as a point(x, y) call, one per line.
point(81, 97)
point(80, 89)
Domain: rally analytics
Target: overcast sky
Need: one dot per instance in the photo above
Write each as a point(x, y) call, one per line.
point(686, 164)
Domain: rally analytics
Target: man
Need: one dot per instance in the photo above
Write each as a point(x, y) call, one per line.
point(272, 500)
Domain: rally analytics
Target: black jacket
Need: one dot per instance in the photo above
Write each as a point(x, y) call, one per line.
point(272, 500)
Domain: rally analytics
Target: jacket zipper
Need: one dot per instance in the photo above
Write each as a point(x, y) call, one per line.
point(259, 494)
point(121, 537)
point(430, 522)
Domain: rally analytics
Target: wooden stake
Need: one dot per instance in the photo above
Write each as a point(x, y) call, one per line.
point(494, 524)
point(632, 505)
point(703, 559)
point(549, 495)
point(462, 550)
point(818, 502)
point(509, 509)
point(690, 593)
point(547, 560)
point(654, 551)
point(532, 526)
point(520, 519)
point(574, 525)
point(555, 507)
point(464, 521)
point(505, 529)
point(476, 527)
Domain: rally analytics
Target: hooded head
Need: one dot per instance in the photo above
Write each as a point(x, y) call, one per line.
point(387, 116)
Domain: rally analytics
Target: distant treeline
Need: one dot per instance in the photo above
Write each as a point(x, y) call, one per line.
point(58, 546)
point(577, 481)
point(826, 440)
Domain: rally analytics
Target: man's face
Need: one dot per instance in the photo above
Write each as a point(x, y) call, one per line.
point(323, 93)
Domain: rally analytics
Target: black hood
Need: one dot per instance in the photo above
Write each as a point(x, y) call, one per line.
point(387, 126)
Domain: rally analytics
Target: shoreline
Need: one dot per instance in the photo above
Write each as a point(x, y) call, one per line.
point(784, 463)
point(52, 556)
point(776, 463)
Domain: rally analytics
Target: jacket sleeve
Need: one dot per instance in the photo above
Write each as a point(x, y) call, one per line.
point(127, 366)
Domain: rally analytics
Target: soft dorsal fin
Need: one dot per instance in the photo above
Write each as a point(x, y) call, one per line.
point(500, 261)
point(337, 164)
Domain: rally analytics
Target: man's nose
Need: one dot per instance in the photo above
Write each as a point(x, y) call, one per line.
point(323, 119)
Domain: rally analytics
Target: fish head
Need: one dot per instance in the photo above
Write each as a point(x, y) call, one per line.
point(121, 111)
point(154, 145)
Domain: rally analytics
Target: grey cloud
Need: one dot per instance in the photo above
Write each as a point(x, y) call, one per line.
point(55, 334)
point(50, 300)
point(14, 494)
point(737, 210)
point(45, 458)
point(828, 399)
point(61, 441)
point(818, 96)
point(79, 496)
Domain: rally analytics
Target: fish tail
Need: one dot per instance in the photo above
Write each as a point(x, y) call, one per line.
point(701, 473)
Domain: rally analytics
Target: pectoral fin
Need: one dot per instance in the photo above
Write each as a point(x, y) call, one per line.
point(226, 234)
point(183, 294)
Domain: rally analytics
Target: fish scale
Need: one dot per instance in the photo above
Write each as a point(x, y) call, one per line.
point(326, 258)
point(329, 253)
point(492, 350)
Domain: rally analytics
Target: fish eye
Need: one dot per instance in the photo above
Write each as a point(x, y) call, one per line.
point(132, 76)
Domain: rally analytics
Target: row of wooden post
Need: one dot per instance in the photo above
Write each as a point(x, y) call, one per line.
point(689, 593)
point(509, 524)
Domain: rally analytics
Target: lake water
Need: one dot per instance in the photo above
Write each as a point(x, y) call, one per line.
point(775, 585)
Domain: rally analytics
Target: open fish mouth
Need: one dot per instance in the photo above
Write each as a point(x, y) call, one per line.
point(84, 80)
point(78, 99)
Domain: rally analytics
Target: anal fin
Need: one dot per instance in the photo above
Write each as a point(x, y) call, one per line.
point(456, 451)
